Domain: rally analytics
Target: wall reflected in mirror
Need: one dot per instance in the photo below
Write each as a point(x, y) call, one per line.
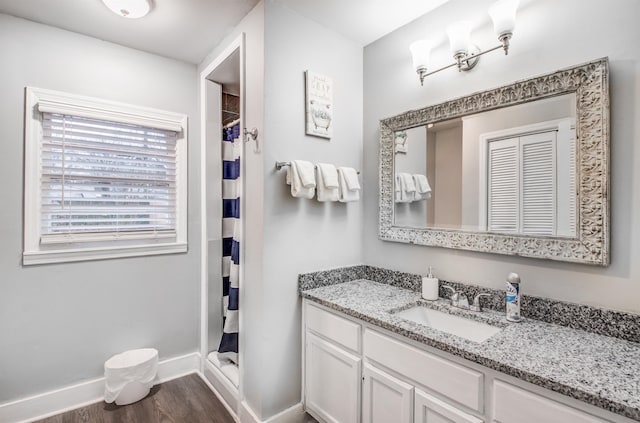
point(510, 170)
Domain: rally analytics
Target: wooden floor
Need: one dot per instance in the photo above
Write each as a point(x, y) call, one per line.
point(184, 400)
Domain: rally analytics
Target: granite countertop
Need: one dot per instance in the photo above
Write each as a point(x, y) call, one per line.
point(599, 370)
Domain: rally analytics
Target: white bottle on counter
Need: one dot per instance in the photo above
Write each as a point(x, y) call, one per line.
point(430, 286)
point(514, 297)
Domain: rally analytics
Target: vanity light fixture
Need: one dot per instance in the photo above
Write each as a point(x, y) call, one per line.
point(131, 9)
point(466, 54)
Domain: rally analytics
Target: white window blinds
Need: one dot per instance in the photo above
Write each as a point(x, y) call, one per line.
point(105, 180)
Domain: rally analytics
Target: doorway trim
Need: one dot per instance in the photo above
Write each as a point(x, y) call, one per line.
point(237, 44)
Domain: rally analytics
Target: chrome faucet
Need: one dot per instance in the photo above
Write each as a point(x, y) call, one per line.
point(476, 306)
point(460, 300)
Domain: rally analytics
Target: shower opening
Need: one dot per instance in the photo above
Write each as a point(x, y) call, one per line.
point(222, 192)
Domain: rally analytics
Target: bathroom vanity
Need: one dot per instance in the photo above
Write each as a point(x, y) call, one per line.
point(365, 360)
point(530, 162)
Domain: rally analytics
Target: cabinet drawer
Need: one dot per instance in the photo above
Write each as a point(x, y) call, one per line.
point(429, 409)
point(333, 327)
point(514, 405)
point(459, 383)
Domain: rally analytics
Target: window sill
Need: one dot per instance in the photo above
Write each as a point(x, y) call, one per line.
point(86, 254)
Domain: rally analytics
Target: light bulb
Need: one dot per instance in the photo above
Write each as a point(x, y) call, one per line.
point(503, 15)
point(131, 9)
point(420, 52)
point(459, 37)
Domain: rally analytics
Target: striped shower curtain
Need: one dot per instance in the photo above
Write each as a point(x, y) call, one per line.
point(231, 149)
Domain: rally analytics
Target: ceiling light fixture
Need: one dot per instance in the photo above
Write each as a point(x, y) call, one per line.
point(466, 54)
point(132, 9)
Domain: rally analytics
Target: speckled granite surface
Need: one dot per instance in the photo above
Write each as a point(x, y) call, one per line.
point(592, 319)
point(599, 370)
point(344, 274)
point(576, 316)
point(330, 277)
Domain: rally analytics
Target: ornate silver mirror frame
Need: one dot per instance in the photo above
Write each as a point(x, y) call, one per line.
point(590, 83)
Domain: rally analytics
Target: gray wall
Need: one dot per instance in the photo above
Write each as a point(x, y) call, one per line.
point(302, 235)
point(413, 161)
point(447, 191)
point(550, 35)
point(286, 236)
point(59, 323)
point(251, 354)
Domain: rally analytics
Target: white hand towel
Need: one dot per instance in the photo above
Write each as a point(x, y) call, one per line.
point(351, 178)
point(288, 178)
point(400, 194)
point(329, 175)
point(423, 189)
point(349, 184)
point(410, 185)
point(306, 173)
point(328, 187)
point(298, 189)
point(407, 188)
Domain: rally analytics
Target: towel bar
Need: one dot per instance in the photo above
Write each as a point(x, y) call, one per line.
point(280, 165)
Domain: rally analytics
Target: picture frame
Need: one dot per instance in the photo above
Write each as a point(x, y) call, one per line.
point(400, 142)
point(319, 105)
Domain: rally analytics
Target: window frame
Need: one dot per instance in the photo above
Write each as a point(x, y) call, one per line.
point(100, 246)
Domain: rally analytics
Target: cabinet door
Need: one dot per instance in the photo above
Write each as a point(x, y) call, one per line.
point(332, 381)
point(429, 409)
point(514, 405)
point(384, 398)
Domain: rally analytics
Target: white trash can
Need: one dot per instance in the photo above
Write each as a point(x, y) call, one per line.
point(130, 375)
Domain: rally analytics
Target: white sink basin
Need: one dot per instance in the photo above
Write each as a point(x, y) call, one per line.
point(449, 323)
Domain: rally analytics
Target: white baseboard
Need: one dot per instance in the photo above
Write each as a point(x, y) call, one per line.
point(246, 414)
point(222, 387)
point(293, 414)
point(175, 367)
point(229, 395)
point(84, 393)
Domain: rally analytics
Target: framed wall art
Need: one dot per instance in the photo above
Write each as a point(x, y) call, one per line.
point(319, 105)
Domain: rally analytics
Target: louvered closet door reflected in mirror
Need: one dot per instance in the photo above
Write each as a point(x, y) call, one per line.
point(531, 183)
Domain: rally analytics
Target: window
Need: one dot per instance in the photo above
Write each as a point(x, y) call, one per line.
point(102, 179)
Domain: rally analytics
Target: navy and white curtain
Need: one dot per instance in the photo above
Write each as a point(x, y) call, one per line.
point(231, 149)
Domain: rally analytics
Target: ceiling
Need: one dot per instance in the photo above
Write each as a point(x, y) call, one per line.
point(181, 29)
point(189, 29)
point(363, 21)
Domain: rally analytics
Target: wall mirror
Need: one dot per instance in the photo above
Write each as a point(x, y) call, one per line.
point(521, 170)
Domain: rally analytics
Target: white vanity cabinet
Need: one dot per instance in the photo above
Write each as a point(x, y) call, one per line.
point(385, 398)
point(332, 379)
point(332, 366)
point(429, 409)
point(356, 372)
point(514, 405)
